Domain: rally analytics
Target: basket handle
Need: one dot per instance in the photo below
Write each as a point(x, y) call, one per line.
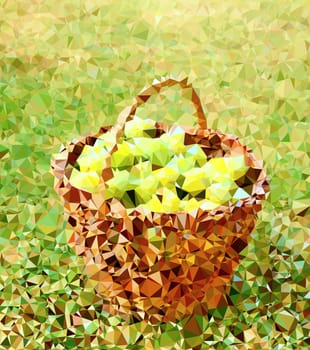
point(146, 93)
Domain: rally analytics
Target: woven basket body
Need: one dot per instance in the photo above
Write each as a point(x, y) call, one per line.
point(187, 267)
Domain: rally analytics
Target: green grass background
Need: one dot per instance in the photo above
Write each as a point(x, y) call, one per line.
point(69, 67)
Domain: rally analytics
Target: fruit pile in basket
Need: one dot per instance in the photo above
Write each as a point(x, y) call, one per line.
point(161, 174)
point(160, 213)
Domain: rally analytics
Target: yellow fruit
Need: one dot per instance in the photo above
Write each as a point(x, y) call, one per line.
point(93, 161)
point(236, 166)
point(154, 204)
point(138, 127)
point(171, 201)
point(195, 152)
point(166, 175)
point(107, 140)
point(118, 184)
point(181, 164)
point(87, 181)
point(141, 170)
point(174, 142)
point(122, 157)
point(190, 205)
point(153, 149)
point(218, 192)
point(226, 167)
point(195, 180)
point(147, 188)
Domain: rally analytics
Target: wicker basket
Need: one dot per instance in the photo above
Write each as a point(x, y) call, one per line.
point(189, 268)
